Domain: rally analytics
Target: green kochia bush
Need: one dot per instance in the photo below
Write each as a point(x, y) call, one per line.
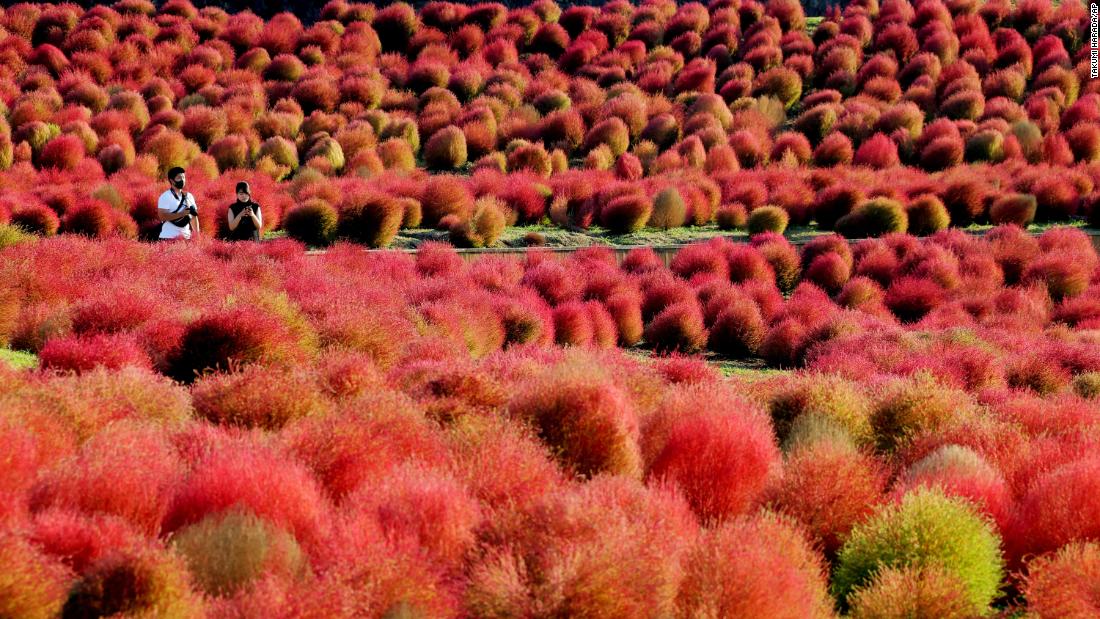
point(925, 530)
point(768, 219)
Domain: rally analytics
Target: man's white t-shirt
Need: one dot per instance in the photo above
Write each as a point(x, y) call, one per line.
point(169, 201)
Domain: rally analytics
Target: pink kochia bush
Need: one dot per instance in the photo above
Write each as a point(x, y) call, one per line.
point(717, 448)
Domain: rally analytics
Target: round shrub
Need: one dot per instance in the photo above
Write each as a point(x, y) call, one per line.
point(1087, 385)
point(83, 353)
point(223, 339)
point(912, 298)
point(32, 585)
point(372, 219)
point(530, 157)
point(912, 592)
point(138, 581)
point(835, 149)
point(677, 328)
point(738, 329)
point(249, 477)
point(443, 196)
point(446, 149)
point(63, 152)
point(589, 423)
point(227, 552)
point(985, 145)
point(669, 209)
point(36, 218)
point(942, 153)
point(832, 203)
point(230, 153)
point(484, 227)
point(768, 219)
point(716, 447)
point(732, 216)
point(828, 487)
point(573, 324)
point(612, 133)
point(732, 564)
point(828, 397)
point(1063, 274)
point(877, 152)
point(962, 472)
point(1013, 208)
point(828, 271)
point(313, 222)
point(916, 405)
point(1058, 508)
point(927, 215)
point(925, 530)
point(93, 219)
point(625, 214)
point(873, 218)
point(257, 397)
point(1064, 584)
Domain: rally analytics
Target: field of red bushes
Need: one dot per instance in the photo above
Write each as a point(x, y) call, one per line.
point(386, 434)
point(899, 418)
point(884, 117)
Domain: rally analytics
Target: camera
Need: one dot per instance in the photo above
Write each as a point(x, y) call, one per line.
point(193, 210)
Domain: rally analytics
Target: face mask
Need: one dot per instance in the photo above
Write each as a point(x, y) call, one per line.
point(178, 184)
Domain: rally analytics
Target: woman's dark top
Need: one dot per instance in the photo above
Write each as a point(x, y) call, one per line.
point(246, 229)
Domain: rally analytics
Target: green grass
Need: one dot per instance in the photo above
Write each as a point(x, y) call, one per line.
point(18, 359)
point(560, 237)
point(752, 369)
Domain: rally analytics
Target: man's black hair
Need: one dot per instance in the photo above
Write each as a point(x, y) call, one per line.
point(175, 171)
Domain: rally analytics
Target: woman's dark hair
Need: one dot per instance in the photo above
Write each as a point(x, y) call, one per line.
point(243, 187)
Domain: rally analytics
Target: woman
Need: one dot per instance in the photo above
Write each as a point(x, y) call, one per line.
point(245, 219)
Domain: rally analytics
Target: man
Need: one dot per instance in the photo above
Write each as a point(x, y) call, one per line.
point(177, 209)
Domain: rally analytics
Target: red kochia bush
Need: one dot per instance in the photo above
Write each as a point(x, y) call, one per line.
point(238, 475)
point(1064, 584)
point(677, 328)
point(716, 447)
point(126, 470)
point(1062, 272)
point(910, 298)
point(828, 271)
point(589, 423)
point(80, 540)
point(34, 585)
point(81, 353)
point(36, 218)
point(92, 218)
point(226, 338)
point(573, 324)
point(553, 281)
point(829, 487)
point(258, 397)
point(1060, 507)
point(426, 507)
point(364, 440)
point(738, 328)
point(443, 196)
point(1013, 208)
point(732, 566)
point(877, 152)
point(63, 152)
point(372, 219)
